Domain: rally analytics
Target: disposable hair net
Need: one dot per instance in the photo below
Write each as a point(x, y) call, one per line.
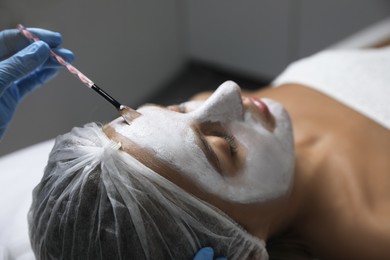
point(97, 202)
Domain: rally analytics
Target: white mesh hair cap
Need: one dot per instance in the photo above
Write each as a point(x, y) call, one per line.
point(97, 202)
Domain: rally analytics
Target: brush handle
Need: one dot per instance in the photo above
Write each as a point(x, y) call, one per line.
point(110, 99)
point(75, 72)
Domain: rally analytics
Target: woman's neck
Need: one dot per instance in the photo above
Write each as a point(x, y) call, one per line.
point(296, 208)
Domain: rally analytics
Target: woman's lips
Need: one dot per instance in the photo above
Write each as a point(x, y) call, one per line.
point(264, 112)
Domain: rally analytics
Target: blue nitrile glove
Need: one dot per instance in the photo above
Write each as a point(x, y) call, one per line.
point(25, 66)
point(207, 253)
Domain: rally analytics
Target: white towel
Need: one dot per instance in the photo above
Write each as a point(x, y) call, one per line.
point(359, 79)
point(20, 172)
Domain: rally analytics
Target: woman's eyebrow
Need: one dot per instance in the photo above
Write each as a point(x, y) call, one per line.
point(157, 105)
point(151, 105)
point(207, 150)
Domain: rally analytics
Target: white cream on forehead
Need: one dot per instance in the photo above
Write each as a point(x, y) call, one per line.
point(266, 174)
point(169, 136)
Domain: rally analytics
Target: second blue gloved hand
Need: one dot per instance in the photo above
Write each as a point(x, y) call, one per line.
point(25, 66)
point(207, 253)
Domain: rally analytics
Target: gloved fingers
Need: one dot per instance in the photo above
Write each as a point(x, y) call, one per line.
point(12, 40)
point(22, 63)
point(53, 39)
point(35, 80)
point(66, 54)
point(206, 253)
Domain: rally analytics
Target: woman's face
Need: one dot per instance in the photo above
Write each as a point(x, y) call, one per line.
point(237, 148)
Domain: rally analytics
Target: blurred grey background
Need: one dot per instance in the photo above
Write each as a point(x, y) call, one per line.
point(141, 50)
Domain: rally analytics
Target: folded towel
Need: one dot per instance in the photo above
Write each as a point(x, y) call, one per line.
point(359, 79)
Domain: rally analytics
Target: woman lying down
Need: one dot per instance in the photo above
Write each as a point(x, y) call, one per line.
point(299, 168)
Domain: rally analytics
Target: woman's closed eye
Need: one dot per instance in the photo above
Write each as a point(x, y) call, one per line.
point(219, 145)
point(223, 146)
point(228, 140)
point(219, 132)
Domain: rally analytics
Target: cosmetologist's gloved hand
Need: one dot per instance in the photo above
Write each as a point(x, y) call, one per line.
point(25, 66)
point(207, 253)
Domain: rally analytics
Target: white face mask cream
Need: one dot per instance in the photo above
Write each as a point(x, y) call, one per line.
point(268, 166)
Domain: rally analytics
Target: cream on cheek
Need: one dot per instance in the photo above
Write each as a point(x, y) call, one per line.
point(266, 175)
point(269, 164)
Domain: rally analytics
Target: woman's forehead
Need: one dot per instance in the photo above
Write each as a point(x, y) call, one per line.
point(160, 130)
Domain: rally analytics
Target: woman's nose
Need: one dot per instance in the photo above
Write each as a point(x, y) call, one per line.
point(223, 105)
